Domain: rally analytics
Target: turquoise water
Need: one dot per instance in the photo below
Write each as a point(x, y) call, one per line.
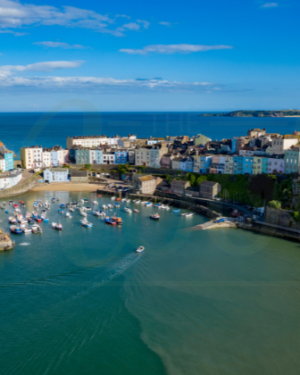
point(195, 302)
point(49, 129)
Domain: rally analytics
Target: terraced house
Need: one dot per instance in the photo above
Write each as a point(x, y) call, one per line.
point(292, 160)
point(32, 157)
point(82, 156)
point(121, 156)
point(260, 165)
point(96, 155)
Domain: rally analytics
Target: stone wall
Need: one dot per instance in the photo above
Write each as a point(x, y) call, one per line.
point(281, 218)
point(19, 189)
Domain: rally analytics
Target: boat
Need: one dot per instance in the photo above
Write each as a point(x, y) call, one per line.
point(20, 218)
point(15, 229)
point(62, 205)
point(15, 205)
point(128, 200)
point(117, 220)
point(68, 215)
point(176, 211)
point(113, 198)
point(36, 229)
point(136, 211)
point(99, 196)
point(10, 202)
point(57, 226)
point(123, 200)
point(128, 210)
point(85, 200)
point(158, 205)
point(86, 223)
point(102, 213)
point(140, 249)
point(117, 205)
point(154, 217)
point(26, 230)
point(109, 221)
point(6, 211)
point(2, 206)
point(144, 202)
point(118, 199)
point(95, 202)
point(96, 213)
point(12, 220)
point(187, 214)
point(71, 209)
point(22, 202)
point(30, 220)
point(148, 204)
point(37, 218)
point(88, 209)
point(60, 211)
point(110, 206)
point(82, 213)
point(104, 207)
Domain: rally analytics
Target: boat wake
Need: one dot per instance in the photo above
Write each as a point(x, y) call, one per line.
point(24, 244)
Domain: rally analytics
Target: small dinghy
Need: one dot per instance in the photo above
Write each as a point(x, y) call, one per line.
point(104, 207)
point(176, 211)
point(82, 213)
point(71, 209)
point(113, 198)
point(15, 229)
point(136, 211)
point(12, 220)
point(27, 230)
point(148, 204)
point(140, 249)
point(86, 223)
point(109, 221)
point(57, 226)
point(96, 213)
point(154, 217)
point(68, 215)
point(6, 211)
point(95, 202)
point(128, 210)
point(117, 205)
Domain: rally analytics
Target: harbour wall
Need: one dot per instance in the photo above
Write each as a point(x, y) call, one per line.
point(20, 189)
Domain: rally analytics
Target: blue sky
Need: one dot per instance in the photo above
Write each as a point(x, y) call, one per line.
point(149, 56)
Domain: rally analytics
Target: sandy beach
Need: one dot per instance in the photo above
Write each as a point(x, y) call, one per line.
point(67, 187)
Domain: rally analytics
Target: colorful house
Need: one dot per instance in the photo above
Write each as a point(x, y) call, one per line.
point(202, 163)
point(237, 165)
point(96, 155)
point(292, 160)
point(9, 160)
point(229, 164)
point(121, 156)
point(248, 162)
point(187, 164)
point(260, 165)
point(275, 165)
point(82, 156)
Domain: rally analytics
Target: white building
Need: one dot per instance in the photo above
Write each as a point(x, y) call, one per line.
point(91, 141)
point(108, 158)
point(46, 158)
point(2, 164)
point(10, 179)
point(279, 145)
point(56, 175)
point(32, 157)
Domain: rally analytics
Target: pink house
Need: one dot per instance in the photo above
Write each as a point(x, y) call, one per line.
point(166, 161)
point(275, 165)
point(66, 156)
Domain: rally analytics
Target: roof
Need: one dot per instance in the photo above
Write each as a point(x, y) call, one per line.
point(208, 183)
point(78, 173)
point(57, 170)
point(146, 178)
point(179, 182)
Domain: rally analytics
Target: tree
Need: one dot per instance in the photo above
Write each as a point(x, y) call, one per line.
point(87, 166)
point(168, 178)
point(275, 204)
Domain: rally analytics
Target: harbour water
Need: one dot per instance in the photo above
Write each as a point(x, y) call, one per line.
point(81, 301)
point(49, 129)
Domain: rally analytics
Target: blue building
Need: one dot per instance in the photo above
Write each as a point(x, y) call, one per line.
point(237, 165)
point(96, 156)
point(82, 156)
point(233, 145)
point(187, 164)
point(121, 156)
point(9, 161)
point(248, 165)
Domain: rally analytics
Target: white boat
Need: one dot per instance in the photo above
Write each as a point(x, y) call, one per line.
point(117, 205)
point(12, 220)
point(137, 201)
point(95, 202)
point(96, 213)
point(104, 207)
point(57, 226)
point(82, 213)
point(110, 206)
point(86, 223)
point(113, 198)
point(71, 209)
point(128, 210)
point(144, 202)
point(187, 214)
point(128, 200)
point(123, 200)
point(88, 209)
point(68, 215)
point(136, 211)
point(27, 230)
point(140, 249)
point(148, 204)
point(36, 228)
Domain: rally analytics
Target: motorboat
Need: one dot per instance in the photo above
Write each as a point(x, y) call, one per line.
point(95, 202)
point(128, 200)
point(118, 199)
point(176, 211)
point(30, 220)
point(99, 195)
point(117, 205)
point(136, 211)
point(109, 221)
point(96, 213)
point(20, 218)
point(68, 215)
point(104, 207)
point(82, 213)
point(117, 220)
point(187, 214)
point(110, 206)
point(154, 217)
point(148, 204)
point(140, 249)
point(113, 198)
point(144, 202)
point(71, 209)
point(6, 211)
point(85, 199)
point(57, 226)
point(15, 229)
point(26, 230)
point(10, 202)
point(88, 209)
point(12, 220)
point(37, 218)
point(86, 223)
point(60, 211)
point(62, 205)
point(158, 205)
point(124, 200)
point(36, 229)
point(128, 210)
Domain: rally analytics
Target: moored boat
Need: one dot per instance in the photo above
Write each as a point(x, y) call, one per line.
point(57, 226)
point(109, 221)
point(15, 229)
point(117, 220)
point(36, 229)
point(154, 217)
point(136, 211)
point(86, 223)
point(26, 230)
point(12, 220)
point(128, 210)
point(68, 215)
point(148, 204)
point(176, 211)
point(96, 213)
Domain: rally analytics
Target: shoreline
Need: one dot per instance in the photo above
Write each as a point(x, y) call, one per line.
point(78, 187)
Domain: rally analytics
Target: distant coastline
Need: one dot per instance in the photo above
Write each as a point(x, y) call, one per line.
point(281, 113)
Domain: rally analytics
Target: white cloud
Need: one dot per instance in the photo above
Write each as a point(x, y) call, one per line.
point(146, 24)
point(165, 23)
point(47, 66)
point(100, 84)
point(15, 33)
point(131, 26)
point(173, 48)
point(14, 14)
point(270, 5)
point(60, 45)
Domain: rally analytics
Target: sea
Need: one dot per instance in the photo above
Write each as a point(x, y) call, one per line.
point(49, 129)
point(81, 301)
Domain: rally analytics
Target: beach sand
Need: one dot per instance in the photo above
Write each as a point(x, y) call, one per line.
point(68, 187)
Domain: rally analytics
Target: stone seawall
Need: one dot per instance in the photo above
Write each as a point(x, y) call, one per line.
point(19, 189)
